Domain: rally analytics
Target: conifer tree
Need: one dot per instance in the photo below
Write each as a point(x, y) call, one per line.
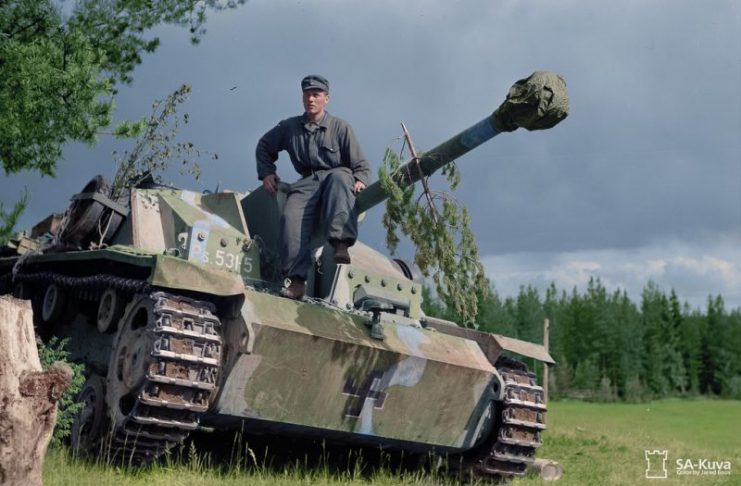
point(692, 331)
point(654, 310)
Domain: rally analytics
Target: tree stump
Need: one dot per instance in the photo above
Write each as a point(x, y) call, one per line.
point(28, 396)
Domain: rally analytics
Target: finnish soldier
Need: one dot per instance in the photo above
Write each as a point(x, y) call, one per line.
point(325, 152)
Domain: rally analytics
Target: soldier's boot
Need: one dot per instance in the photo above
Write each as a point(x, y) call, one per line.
point(296, 288)
point(341, 255)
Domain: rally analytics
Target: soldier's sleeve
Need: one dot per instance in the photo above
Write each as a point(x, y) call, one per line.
point(357, 161)
point(267, 150)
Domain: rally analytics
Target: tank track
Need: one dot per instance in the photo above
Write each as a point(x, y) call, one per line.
point(181, 376)
point(92, 283)
point(517, 432)
point(179, 381)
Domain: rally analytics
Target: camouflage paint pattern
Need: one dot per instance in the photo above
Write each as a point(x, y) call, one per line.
point(352, 283)
point(164, 271)
point(204, 229)
point(176, 273)
point(316, 366)
point(190, 241)
point(116, 253)
point(492, 344)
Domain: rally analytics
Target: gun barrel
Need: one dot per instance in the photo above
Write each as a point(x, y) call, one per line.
point(429, 162)
point(537, 102)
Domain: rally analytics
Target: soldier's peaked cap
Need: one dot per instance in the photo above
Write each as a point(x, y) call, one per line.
point(315, 81)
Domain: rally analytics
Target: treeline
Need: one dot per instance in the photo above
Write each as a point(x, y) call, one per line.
point(609, 348)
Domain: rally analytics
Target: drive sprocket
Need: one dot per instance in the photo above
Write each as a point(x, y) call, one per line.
point(163, 372)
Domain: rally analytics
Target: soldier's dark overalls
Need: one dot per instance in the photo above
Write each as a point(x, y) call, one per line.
point(329, 159)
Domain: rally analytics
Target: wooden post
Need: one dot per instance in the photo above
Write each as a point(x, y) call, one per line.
point(546, 326)
point(29, 396)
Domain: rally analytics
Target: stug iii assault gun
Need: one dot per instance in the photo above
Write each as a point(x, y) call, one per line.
point(169, 298)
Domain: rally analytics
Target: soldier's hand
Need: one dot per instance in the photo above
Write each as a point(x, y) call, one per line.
point(359, 186)
point(270, 183)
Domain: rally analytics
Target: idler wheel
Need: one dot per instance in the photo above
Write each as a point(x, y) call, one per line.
point(53, 303)
point(110, 310)
point(87, 426)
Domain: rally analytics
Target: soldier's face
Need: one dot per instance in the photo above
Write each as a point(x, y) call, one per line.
point(314, 102)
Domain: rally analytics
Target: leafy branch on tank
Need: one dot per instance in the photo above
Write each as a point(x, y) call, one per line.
point(445, 247)
point(156, 146)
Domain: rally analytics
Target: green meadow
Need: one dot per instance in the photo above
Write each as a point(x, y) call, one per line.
point(597, 444)
point(604, 444)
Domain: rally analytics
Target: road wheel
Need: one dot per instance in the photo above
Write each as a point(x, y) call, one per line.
point(22, 290)
point(110, 309)
point(53, 304)
point(87, 427)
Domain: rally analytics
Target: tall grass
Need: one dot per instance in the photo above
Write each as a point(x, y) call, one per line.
point(597, 444)
point(63, 469)
point(192, 464)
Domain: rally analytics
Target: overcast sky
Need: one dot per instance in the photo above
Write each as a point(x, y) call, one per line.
point(642, 180)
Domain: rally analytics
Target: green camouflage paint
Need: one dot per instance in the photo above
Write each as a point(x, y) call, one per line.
point(316, 366)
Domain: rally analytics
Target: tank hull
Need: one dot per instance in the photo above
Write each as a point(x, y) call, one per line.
point(316, 367)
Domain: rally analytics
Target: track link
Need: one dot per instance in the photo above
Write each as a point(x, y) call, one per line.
point(184, 346)
point(180, 349)
point(517, 434)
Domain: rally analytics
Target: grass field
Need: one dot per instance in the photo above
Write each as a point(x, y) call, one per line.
point(605, 443)
point(597, 444)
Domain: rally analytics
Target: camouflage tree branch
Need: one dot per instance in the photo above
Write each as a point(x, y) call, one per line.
point(156, 146)
point(537, 102)
point(446, 249)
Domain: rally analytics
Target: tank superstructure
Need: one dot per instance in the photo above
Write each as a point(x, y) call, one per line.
point(170, 299)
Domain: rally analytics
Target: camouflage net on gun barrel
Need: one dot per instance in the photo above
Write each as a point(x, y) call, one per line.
point(537, 102)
